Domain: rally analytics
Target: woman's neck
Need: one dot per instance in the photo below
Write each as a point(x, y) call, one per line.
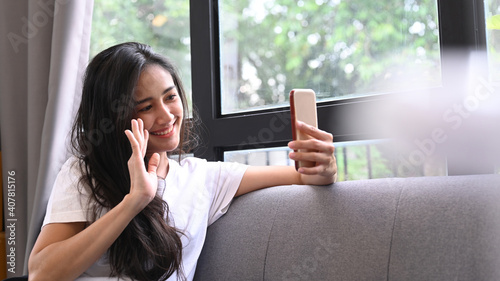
point(163, 166)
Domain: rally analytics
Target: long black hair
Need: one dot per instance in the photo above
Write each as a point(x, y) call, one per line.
point(149, 248)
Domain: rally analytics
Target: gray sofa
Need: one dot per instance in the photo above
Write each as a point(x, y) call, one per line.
point(434, 228)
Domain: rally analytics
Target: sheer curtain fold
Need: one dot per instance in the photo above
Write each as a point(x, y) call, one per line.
point(41, 72)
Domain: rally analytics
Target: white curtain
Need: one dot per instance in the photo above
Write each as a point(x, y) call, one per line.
point(44, 49)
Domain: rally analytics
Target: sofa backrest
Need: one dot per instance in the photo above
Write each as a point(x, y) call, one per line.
point(433, 228)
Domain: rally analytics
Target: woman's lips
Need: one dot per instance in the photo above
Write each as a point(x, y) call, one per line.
point(163, 132)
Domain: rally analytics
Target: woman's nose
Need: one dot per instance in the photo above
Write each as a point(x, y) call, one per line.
point(165, 116)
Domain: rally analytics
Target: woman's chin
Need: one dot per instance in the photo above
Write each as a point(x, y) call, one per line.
point(163, 148)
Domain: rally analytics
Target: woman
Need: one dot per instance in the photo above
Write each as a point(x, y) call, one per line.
point(120, 207)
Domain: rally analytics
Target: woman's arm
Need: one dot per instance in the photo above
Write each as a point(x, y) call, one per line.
point(323, 173)
point(63, 251)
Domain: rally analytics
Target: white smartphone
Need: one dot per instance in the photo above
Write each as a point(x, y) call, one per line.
point(303, 108)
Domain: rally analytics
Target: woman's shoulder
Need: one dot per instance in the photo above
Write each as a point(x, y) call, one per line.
point(69, 175)
point(72, 166)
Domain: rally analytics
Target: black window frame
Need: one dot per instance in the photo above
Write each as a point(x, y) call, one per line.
point(461, 26)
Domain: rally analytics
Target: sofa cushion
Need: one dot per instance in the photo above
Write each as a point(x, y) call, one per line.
point(296, 232)
point(447, 228)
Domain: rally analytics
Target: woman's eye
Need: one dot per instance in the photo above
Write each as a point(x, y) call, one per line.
point(147, 108)
point(171, 97)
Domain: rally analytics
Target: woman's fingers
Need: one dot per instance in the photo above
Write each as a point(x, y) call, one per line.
point(313, 145)
point(136, 129)
point(153, 163)
point(320, 140)
point(319, 149)
point(320, 158)
point(133, 141)
point(146, 139)
point(138, 137)
point(314, 132)
point(143, 181)
point(324, 170)
point(310, 156)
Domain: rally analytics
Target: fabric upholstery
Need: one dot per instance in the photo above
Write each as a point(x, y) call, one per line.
point(433, 228)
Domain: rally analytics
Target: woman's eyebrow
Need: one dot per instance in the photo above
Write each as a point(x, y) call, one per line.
point(150, 98)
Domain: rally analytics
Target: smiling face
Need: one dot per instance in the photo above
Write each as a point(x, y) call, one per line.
point(159, 105)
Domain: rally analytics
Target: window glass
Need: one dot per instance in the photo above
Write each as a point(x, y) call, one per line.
point(492, 15)
point(355, 160)
point(340, 49)
point(163, 24)
point(260, 157)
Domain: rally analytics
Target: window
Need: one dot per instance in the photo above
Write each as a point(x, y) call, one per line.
point(341, 49)
point(356, 160)
point(244, 107)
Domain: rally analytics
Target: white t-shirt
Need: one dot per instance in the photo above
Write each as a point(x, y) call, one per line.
point(198, 192)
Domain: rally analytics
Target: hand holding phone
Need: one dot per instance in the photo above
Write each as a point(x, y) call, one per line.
point(303, 108)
